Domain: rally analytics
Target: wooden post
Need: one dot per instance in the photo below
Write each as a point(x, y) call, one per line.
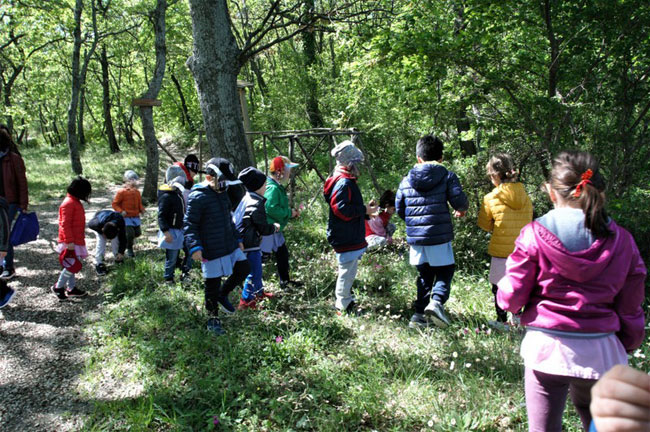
point(310, 160)
point(266, 155)
point(329, 153)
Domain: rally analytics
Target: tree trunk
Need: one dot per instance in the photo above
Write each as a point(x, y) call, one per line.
point(80, 118)
point(73, 147)
point(215, 64)
point(186, 112)
point(146, 113)
point(309, 50)
point(106, 103)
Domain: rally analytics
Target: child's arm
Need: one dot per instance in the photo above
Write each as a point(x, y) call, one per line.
point(4, 232)
point(164, 206)
point(627, 304)
point(67, 214)
point(521, 272)
point(341, 204)
point(485, 219)
point(456, 196)
point(121, 236)
point(400, 206)
point(191, 227)
point(259, 221)
point(117, 202)
point(273, 209)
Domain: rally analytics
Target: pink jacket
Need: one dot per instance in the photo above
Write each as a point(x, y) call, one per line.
point(596, 290)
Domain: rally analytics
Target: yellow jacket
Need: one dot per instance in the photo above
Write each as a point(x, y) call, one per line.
point(505, 211)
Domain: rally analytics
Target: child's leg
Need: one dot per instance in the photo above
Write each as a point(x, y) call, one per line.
point(545, 400)
point(442, 288)
point(101, 248)
point(64, 277)
point(115, 246)
point(170, 263)
point(390, 229)
point(424, 284)
point(239, 272)
point(502, 316)
point(130, 235)
point(212, 291)
point(253, 285)
point(580, 392)
point(344, 281)
point(72, 281)
point(282, 260)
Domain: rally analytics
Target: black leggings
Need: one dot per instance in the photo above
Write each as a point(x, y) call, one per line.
point(282, 261)
point(502, 316)
point(214, 289)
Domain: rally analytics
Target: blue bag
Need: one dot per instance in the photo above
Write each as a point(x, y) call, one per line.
point(25, 229)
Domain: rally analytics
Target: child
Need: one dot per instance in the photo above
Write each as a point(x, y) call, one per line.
point(251, 221)
point(213, 241)
point(72, 237)
point(379, 230)
point(505, 211)
point(580, 279)
point(190, 167)
point(171, 212)
point(128, 202)
point(278, 211)
point(6, 293)
point(236, 189)
point(346, 224)
point(421, 201)
point(108, 225)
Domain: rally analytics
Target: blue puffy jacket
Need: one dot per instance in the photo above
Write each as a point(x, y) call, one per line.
point(208, 225)
point(346, 227)
point(105, 216)
point(421, 201)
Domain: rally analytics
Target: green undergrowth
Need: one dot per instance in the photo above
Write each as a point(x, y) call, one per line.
point(296, 365)
point(49, 173)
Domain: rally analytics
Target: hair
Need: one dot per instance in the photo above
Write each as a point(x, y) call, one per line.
point(110, 230)
point(429, 148)
point(501, 164)
point(387, 199)
point(6, 142)
point(80, 188)
point(566, 175)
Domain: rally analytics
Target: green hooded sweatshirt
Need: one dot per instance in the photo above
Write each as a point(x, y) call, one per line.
point(277, 203)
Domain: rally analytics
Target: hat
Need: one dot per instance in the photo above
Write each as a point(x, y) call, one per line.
point(178, 182)
point(346, 153)
point(279, 163)
point(252, 178)
point(173, 172)
point(69, 261)
point(226, 168)
point(130, 175)
point(191, 162)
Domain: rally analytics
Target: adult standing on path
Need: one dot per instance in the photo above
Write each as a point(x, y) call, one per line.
point(13, 187)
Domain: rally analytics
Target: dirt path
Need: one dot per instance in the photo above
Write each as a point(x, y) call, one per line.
point(42, 345)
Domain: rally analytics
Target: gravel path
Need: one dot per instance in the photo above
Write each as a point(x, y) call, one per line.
point(42, 344)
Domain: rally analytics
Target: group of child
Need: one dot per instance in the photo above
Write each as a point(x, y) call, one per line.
point(573, 277)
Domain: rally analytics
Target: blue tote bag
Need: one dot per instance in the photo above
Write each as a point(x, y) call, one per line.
point(25, 229)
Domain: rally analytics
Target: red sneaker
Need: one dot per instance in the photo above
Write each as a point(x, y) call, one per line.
point(265, 295)
point(243, 304)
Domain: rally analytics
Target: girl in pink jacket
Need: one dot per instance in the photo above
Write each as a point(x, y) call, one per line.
point(580, 280)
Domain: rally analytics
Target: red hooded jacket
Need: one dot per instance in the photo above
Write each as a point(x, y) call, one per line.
point(72, 221)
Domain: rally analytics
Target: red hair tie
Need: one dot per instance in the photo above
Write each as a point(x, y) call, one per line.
point(586, 176)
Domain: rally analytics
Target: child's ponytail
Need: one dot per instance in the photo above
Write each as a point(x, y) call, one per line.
point(502, 165)
point(576, 177)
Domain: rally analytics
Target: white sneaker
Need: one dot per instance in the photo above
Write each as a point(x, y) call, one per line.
point(437, 313)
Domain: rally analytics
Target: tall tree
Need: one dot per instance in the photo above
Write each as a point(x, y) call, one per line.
point(157, 18)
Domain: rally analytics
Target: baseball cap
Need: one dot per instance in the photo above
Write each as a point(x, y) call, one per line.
point(280, 163)
point(69, 261)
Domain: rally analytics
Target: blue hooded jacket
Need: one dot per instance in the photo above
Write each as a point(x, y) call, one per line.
point(208, 225)
point(422, 199)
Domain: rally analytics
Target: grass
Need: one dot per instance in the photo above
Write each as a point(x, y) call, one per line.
point(49, 173)
point(296, 365)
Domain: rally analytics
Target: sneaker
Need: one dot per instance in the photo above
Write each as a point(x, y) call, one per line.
point(6, 298)
point(130, 253)
point(8, 274)
point(265, 295)
point(437, 313)
point(225, 305)
point(59, 293)
point(243, 304)
point(101, 269)
point(76, 292)
point(499, 325)
point(214, 325)
point(351, 310)
point(419, 321)
point(184, 275)
point(291, 284)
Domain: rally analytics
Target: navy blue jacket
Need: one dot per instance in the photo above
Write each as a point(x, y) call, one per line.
point(422, 199)
point(171, 209)
point(346, 227)
point(250, 218)
point(208, 226)
point(103, 217)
